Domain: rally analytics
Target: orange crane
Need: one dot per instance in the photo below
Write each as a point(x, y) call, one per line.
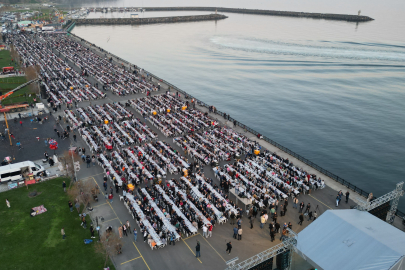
point(11, 108)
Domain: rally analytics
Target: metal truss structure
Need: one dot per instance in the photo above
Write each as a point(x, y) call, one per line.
point(288, 243)
point(392, 196)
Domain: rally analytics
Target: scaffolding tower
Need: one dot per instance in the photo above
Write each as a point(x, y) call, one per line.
point(288, 244)
point(392, 196)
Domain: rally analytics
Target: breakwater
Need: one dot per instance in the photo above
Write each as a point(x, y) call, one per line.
point(325, 16)
point(174, 19)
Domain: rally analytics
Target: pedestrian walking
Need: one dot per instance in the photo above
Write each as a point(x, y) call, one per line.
point(235, 232)
point(88, 160)
point(310, 216)
point(347, 196)
point(105, 185)
point(128, 226)
point(77, 205)
point(92, 231)
point(84, 221)
point(110, 197)
point(19, 145)
point(46, 142)
point(124, 230)
point(283, 234)
point(205, 231)
point(308, 208)
point(277, 226)
point(301, 219)
point(275, 216)
point(251, 221)
point(337, 200)
point(340, 194)
point(172, 238)
point(262, 221)
point(210, 227)
point(232, 218)
point(302, 204)
point(295, 203)
point(64, 186)
point(240, 234)
point(239, 222)
point(71, 206)
point(8, 203)
point(197, 250)
point(229, 248)
point(62, 231)
point(272, 211)
point(74, 137)
point(272, 235)
point(21, 122)
point(120, 231)
point(315, 215)
point(135, 234)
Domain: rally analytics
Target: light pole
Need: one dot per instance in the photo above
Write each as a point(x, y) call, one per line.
point(73, 163)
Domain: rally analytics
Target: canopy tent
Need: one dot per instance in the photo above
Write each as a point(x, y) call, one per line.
point(24, 23)
point(352, 239)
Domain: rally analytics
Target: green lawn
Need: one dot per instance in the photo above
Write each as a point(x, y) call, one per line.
point(5, 59)
point(36, 242)
point(9, 83)
point(19, 96)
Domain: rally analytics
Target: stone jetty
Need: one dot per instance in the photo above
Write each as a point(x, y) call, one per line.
point(325, 16)
point(174, 19)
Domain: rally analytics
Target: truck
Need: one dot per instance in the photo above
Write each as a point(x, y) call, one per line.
point(7, 70)
point(20, 171)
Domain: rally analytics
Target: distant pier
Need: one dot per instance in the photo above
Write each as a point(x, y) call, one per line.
point(325, 16)
point(174, 19)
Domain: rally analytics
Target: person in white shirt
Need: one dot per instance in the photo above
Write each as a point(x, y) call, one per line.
point(204, 231)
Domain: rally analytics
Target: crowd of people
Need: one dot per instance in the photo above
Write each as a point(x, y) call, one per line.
point(171, 116)
point(63, 84)
point(119, 79)
point(128, 151)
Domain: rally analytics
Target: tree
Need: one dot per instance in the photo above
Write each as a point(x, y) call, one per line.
point(81, 191)
point(13, 53)
point(109, 245)
point(67, 164)
point(31, 73)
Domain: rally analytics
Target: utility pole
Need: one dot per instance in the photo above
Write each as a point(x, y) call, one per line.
point(8, 130)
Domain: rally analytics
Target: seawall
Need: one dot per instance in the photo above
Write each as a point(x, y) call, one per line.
point(325, 16)
point(174, 19)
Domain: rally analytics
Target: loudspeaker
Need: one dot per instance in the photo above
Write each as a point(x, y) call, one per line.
point(381, 211)
point(266, 265)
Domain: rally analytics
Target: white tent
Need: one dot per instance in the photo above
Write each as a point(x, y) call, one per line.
point(352, 239)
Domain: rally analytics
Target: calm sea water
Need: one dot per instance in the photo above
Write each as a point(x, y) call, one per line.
point(331, 91)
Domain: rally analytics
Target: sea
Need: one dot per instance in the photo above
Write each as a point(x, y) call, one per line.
point(331, 91)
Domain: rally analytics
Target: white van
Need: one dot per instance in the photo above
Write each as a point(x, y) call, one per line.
point(14, 172)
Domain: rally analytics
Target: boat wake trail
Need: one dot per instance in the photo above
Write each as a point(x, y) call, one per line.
point(333, 50)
